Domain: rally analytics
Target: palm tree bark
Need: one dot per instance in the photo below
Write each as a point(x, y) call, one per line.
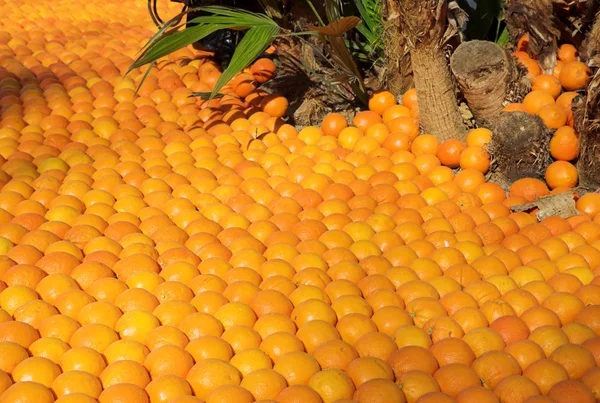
point(587, 115)
point(423, 25)
point(397, 73)
point(536, 19)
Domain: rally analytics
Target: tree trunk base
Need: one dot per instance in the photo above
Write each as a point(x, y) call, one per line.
point(519, 148)
point(487, 76)
point(587, 124)
point(436, 94)
point(586, 111)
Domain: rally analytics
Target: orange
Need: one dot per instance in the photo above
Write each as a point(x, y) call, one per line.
point(127, 350)
point(510, 328)
point(264, 383)
point(379, 390)
point(574, 358)
point(561, 174)
point(167, 388)
point(122, 392)
point(449, 152)
point(475, 394)
point(36, 369)
point(211, 373)
point(298, 367)
point(76, 382)
point(567, 53)
point(475, 157)
point(546, 373)
point(453, 378)
point(381, 100)
point(452, 350)
point(124, 371)
point(483, 340)
point(495, 365)
point(333, 124)
point(574, 76)
point(18, 332)
point(208, 347)
point(529, 188)
point(298, 394)
point(411, 358)
point(535, 100)
point(168, 360)
point(28, 390)
point(564, 145)
point(415, 384)
point(549, 338)
point(364, 369)
point(250, 360)
point(263, 70)
point(532, 66)
point(552, 115)
point(332, 384)
point(516, 388)
point(573, 389)
point(548, 83)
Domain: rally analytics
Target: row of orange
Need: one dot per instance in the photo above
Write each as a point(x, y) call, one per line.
point(159, 248)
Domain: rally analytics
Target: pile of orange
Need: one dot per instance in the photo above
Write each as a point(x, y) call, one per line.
point(156, 248)
point(551, 99)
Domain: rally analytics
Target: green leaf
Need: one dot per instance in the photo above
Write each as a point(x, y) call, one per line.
point(169, 44)
point(481, 17)
point(367, 33)
point(504, 38)
point(144, 77)
point(366, 17)
point(168, 24)
point(205, 96)
point(254, 42)
point(165, 43)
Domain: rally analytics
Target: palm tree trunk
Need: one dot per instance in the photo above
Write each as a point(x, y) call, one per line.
point(587, 115)
point(423, 25)
point(397, 65)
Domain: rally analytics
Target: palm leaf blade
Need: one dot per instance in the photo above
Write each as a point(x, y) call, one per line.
point(169, 44)
point(254, 42)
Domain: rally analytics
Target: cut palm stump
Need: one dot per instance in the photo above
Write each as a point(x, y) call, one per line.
point(519, 148)
point(488, 78)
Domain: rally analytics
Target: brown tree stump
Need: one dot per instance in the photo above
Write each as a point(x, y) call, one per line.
point(487, 76)
point(519, 148)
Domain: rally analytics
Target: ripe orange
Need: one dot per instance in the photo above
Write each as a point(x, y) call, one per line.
point(475, 157)
point(574, 76)
point(564, 145)
point(532, 66)
point(552, 115)
point(535, 100)
point(449, 153)
point(263, 70)
point(561, 174)
point(567, 53)
point(548, 83)
point(381, 100)
point(333, 124)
